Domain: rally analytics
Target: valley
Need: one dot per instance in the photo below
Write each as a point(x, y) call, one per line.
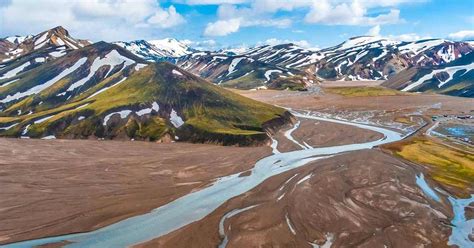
point(153, 143)
point(363, 177)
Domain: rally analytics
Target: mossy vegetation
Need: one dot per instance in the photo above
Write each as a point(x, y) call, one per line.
point(404, 120)
point(246, 82)
point(295, 82)
point(448, 166)
point(363, 91)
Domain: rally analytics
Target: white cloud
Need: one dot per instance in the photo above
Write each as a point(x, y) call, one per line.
point(326, 12)
point(374, 31)
point(237, 17)
point(408, 37)
point(300, 43)
point(462, 35)
point(222, 27)
point(203, 45)
point(212, 2)
point(349, 13)
point(166, 18)
point(94, 19)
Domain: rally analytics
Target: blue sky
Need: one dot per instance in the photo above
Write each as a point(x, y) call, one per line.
point(231, 23)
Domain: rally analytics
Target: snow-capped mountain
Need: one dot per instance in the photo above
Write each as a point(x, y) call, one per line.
point(454, 78)
point(359, 58)
point(245, 71)
point(143, 49)
point(157, 50)
point(284, 55)
point(17, 39)
point(372, 58)
point(17, 46)
point(172, 47)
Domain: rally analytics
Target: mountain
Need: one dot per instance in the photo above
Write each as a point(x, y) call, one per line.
point(254, 69)
point(9, 44)
point(283, 66)
point(104, 91)
point(284, 55)
point(172, 47)
point(455, 78)
point(17, 39)
point(372, 58)
point(359, 58)
point(157, 50)
point(58, 37)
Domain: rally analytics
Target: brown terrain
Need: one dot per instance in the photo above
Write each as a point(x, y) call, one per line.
point(52, 187)
point(365, 198)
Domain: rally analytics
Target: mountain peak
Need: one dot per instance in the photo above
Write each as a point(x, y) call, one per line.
point(157, 50)
point(59, 30)
point(49, 39)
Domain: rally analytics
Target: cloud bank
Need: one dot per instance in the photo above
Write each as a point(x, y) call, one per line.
point(109, 19)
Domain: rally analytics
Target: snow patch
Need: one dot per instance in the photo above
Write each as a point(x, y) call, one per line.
point(304, 179)
point(177, 72)
point(82, 106)
point(123, 114)
point(111, 59)
point(145, 111)
point(233, 64)
point(39, 88)
point(450, 70)
point(175, 119)
point(50, 137)
point(8, 127)
point(418, 47)
point(140, 66)
point(25, 131)
point(40, 60)
point(43, 119)
point(41, 41)
point(57, 54)
point(15, 71)
point(60, 42)
point(106, 88)
point(171, 47)
point(288, 222)
point(269, 73)
point(9, 82)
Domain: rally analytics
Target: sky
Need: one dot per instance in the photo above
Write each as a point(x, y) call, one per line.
point(213, 24)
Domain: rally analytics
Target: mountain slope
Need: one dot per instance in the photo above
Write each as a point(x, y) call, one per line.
point(104, 91)
point(454, 78)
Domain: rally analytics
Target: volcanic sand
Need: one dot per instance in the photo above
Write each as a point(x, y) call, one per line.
point(53, 187)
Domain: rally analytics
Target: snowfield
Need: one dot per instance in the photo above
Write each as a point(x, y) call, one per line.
point(37, 89)
point(112, 59)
